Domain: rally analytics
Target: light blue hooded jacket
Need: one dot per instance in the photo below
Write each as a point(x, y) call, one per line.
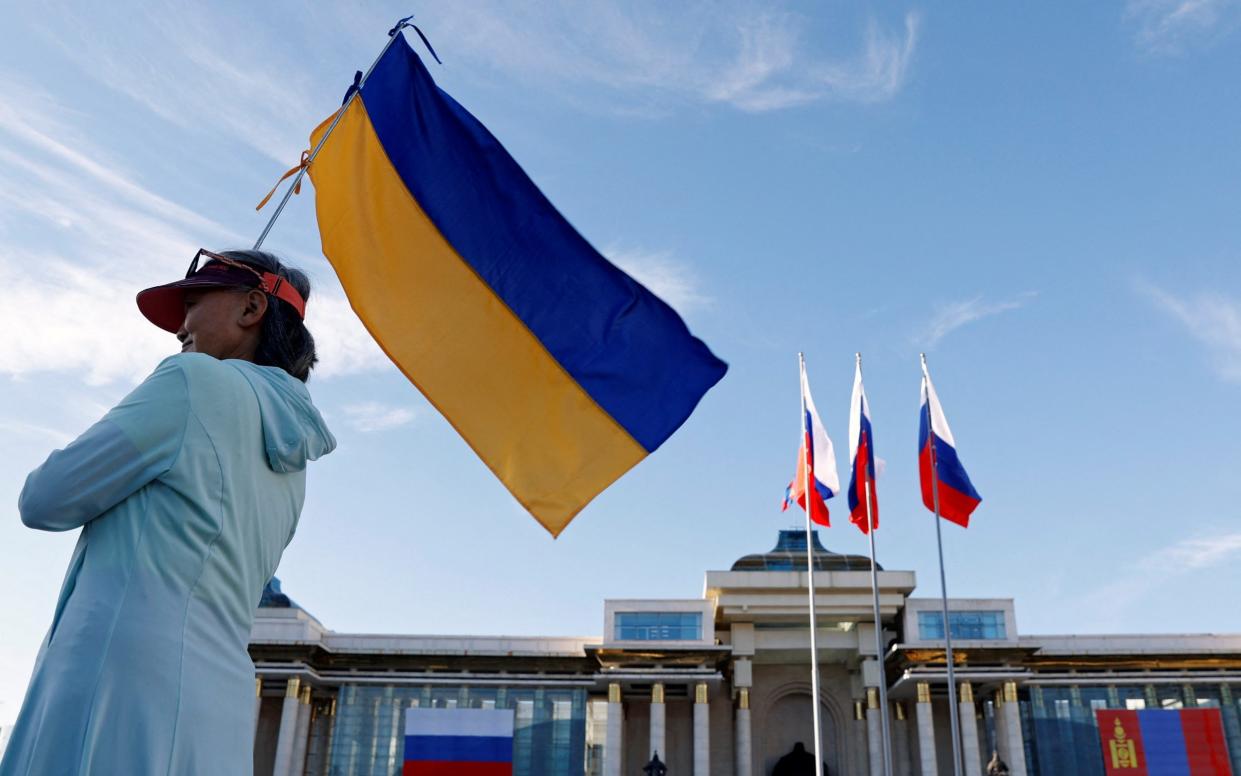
point(187, 494)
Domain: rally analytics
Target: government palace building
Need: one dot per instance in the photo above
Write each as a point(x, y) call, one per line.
point(721, 684)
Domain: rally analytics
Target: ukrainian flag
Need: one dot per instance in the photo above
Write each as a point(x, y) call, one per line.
point(558, 369)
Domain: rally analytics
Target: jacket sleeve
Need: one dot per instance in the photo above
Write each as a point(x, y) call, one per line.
point(135, 443)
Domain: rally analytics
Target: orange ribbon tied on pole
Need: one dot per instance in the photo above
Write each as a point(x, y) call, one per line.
point(297, 187)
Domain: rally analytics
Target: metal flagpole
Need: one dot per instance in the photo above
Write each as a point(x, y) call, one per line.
point(336, 120)
point(814, 644)
point(943, 587)
point(874, 588)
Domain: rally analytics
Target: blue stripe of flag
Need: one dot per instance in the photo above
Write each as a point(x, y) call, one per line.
point(471, 749)
point(1164, 743)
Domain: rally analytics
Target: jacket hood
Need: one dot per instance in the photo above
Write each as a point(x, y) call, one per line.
point(293, 430)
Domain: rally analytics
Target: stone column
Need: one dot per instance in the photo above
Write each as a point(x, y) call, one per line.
point(969, 730)
point(900, 740)
point(658, 726)
point(258, 701)
point(745, 747)
point(874, 732)
point(616, 724)
point(1015, 742)
point(702, 731)
point(926, 731)
point(297, 765)
point(329, 736)
point(288, 728)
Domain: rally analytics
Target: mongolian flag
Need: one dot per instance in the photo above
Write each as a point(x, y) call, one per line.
point(862, 458)
point(937, 448)
point(816, 462)
point(557, 368)
point(1153, 742)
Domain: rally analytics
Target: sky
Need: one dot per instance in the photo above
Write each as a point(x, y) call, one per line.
point(1042, 197)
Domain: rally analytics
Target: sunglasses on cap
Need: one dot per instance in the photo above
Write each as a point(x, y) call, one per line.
point(164, 305)
point(268, 282)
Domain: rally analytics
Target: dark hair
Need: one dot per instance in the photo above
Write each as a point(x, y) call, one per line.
point(283, 341)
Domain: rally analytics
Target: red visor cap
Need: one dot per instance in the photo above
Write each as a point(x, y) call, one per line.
point(164, 305)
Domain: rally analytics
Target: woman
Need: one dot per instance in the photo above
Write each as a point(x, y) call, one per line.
point(187, 493)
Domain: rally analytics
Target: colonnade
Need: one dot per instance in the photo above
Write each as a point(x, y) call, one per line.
point(297, 715)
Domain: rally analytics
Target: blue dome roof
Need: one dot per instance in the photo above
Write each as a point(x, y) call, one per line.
point(789, 554)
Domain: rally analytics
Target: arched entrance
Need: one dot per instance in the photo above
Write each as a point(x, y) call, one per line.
point(787, 719)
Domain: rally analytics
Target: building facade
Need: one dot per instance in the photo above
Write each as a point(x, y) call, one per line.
point(721, 684)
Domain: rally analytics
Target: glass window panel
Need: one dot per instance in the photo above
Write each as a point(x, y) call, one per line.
point(658, 626)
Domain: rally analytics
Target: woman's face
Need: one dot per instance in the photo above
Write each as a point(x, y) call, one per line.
point(222, 322)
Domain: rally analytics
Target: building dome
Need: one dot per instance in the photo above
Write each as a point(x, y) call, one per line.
point(789, 554)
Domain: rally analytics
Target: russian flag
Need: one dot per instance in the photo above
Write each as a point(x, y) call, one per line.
point(861, 457)
point(816, 461)
point(957, 497)
point(458, 742)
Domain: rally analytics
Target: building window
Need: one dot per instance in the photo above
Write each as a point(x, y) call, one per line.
point(982, 625)
point(658, 626)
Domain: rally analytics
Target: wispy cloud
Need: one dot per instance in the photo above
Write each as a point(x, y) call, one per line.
point(1171, 26)
point(373, 416)
point(952, 316)
point(1212, 319)
point(1156, 570)
point(747, 55)
point(668, 278)
point(81, 235)
point(197, 69)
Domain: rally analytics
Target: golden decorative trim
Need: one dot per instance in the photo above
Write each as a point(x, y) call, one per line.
point(967, 692)
point(1010, 692)
point(700, 692)
point(924, 692)
point(657, 692)
point(305, 699)
point(291, 689)
point(858, 714)
point(258, 687)
point(899, 709)
point(743, 698)
point(872, 697)
point(614, 693)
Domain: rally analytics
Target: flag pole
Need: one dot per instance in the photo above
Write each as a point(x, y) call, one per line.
point(943, 587)
point(814, 645)
point(874, 589)
point(353, 93)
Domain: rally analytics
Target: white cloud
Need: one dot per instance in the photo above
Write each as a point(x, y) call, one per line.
point(1212, 319)
point(67, 305)
point(198, 69)
point(669, 279)
point(744, 54)
point(950, 317)
point(374, 416)
point(1170, 26)
point(1157, 570)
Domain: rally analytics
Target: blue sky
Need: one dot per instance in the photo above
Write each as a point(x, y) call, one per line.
point(1043, 198)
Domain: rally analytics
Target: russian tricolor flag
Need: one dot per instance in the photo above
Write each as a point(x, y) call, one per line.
point(936, 447)
point(816, 461)
point(862, 458)
point(458, 742)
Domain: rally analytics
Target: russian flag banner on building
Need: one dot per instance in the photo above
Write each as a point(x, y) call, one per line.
point(1163, 742)
point(560, 371)
point(458, 742)
point(957, 497)
point(861, 458)
point(816, 462)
